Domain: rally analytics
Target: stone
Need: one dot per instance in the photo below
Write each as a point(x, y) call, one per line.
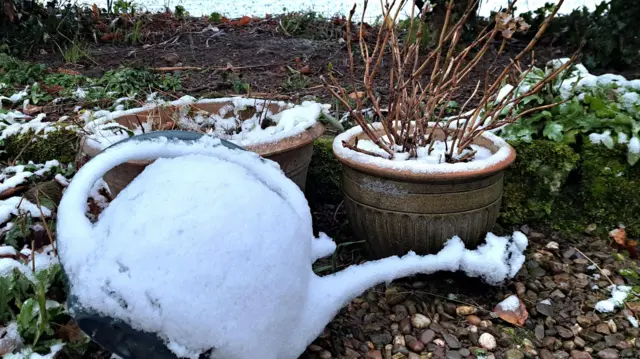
point(560, 354)
point(381, 338)
point(568, 253)
point(414, 344)
point(399, 349)
point(513, 354)
point(580, 343)
point(427, 336)
point(399, 356)
point(557, 294)
point(351, 354)
point(400, 311)
point(576, 354)
point(487, 341)
point(603, 328)
point(611, 340)
point(399, 340)
point(584, 321)
point(612, 326)
point(545, 354)
point(465, 310)
point(405, 326)
point(608, 354)
point(520, 289)
point(539, 331)
point(420, 321)
point(325, 354)
point(453, 354)
point(564, 332)
point(413, 356)
point(395, 295)
point(568, 345)
point(474, 320)
point(452, 341)
point(545, 308)
point(374, 354)
point(465, 352)
point(591, 336)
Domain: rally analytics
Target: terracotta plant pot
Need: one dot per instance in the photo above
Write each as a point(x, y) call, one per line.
point(395, 209)
point(292, 153)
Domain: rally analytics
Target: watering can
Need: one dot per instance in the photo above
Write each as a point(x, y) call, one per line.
point(232, 236)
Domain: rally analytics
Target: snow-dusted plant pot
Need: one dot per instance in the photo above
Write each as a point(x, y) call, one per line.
point(291, 149)
point(399, 206)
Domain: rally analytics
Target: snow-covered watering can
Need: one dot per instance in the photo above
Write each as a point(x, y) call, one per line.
point(208, 253)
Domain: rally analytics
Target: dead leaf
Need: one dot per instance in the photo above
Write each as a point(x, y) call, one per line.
point(32, 110)
point(634, 306)
point(354, 95)
point(95, 12)
point(60, 70)
point(619, 235)
point(242, 22)
point(9, 10)
point(108, 37)
point(512, 310)
point(71, 332)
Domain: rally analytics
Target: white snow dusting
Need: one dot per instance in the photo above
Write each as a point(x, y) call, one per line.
point(426, 162)
point(18, 205)
point(511, 303)
point(618, 296)
point(134, 258)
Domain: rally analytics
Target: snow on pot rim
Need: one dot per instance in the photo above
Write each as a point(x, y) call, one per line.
point(502, 155)
point(296, 125)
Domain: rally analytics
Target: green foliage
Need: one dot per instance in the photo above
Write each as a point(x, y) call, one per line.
point(124, 7)
point(60, 145)
point(411, 34)
point(601, 108)
point(608, 31)
point(324, 179)
point(295, 82)
point(14, 290)
point(215, 17)
point(536, 180)
point(180, 12)
point(610, 187)
point(19, 72)
point(18, 234)
point(296, 23)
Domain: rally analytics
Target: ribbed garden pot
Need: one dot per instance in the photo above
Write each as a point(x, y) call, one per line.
point(396, 210)
point(292, 153)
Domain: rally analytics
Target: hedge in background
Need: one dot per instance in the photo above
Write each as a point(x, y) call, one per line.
point(324, 179)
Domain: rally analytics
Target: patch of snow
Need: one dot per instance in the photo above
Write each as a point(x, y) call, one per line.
point(214, 264)
point(13, 176)
point(36, 125)
point(634, 145)
point(293, 120)
point(618, 296)
point(8, 251)
point(511, 303)
point(426, 162)
point(16, 97)
point(28, 353)
point(62, 180)
point(633, 321)
point(546, 301)
point(18, 205)
point(602, 138)
point(623, 138)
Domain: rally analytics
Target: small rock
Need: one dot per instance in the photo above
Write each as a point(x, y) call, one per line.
point(399, 356)
point(513, 354)
point(487, 341)
point(520, 289)
point(405, 326)
point(545, 307)
point(580, 343)
point(351, 354)
point(399, 340)
point(394, 295)
point(465, 310)
point(554, 246)
point(584, 321)
point(374, 354)
point(400, 311)
point(576, 329)
point(591, 228)
point(172, 58)
point(591, 336)
point(575, 354)
point(557, 294)
point(539, 331)
point(439, 342)
point(325, 354)
point(449, 308)
point(452, 341)
point(420, 321)
point(560, 354)
point(569, 253)
point(414, 344)
point(568, 345)
point(612, 326)
point(381, 338)
point(314, 348)
point(608, 354)
point(453, 354)
point(465, 352)
point(564, 332)
point(427, 336)
point(474, 320)
point(413, 356)
point(611, 340)
point(486, 324)
point(549, 342)
point(603, 328)
point(545, 354)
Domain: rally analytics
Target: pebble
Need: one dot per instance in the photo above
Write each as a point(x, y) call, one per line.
point(374, 354)
point(575, 354)
point(554, 246)
point(612, 326)
point(608, 354)
point(427, 336)
point(453, 354)
point(514, 354)
point(325, 354)
point(439, 342)
point(584, 321)
point(603, 328)
point(414, 344)
point(405, 326)
point(452, 341)
point(569, 345)
point(474, 320)
point(545, 354)
point(487, 341)
point(611, 340)
point(465, 310)
point(580, 343)
point(545, 307)
point(413, 356)
point(381, 338)
point(464, 352)
point(564, 332)
point(420, 321)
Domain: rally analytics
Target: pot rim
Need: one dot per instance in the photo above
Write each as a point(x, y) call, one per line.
point(503, 156)
point(264, 150)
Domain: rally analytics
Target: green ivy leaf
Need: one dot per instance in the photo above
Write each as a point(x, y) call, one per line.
point(553, 131)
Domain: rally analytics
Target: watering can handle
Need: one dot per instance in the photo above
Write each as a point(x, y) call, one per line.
point(73, 225)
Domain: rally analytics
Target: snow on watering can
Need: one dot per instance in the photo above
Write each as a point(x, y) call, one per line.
point(208, 253)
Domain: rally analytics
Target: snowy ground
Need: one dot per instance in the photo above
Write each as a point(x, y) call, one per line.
point(240, 8)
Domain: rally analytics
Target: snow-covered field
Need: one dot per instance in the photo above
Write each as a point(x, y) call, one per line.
point(240, 8)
